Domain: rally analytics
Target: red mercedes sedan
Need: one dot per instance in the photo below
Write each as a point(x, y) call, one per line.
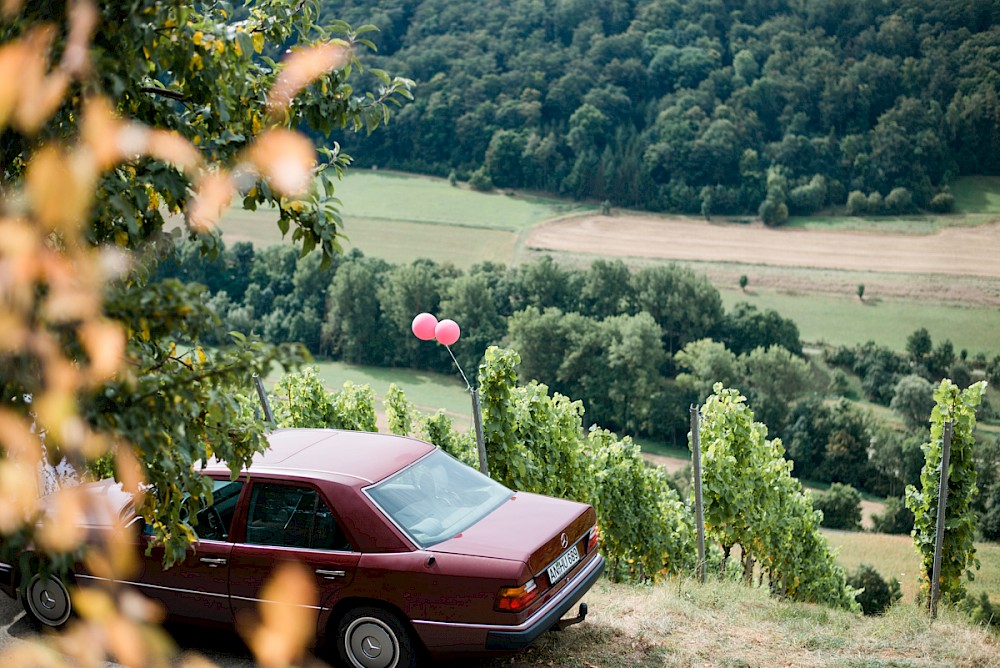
point(414, 553)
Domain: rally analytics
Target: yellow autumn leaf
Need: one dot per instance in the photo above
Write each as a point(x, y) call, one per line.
point(59, 189)
point(63, 527)
point(104, 342)
point(300, 69)
point(286, 159)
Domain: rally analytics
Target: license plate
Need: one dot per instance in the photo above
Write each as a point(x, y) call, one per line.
point(563, 564)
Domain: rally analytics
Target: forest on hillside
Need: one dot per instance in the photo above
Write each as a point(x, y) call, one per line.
point(767, 107)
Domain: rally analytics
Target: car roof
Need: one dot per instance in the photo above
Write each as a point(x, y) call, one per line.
point(333, 453)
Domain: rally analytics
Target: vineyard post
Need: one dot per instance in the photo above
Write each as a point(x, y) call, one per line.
point(477, 416)
point(477, 419)
point(942, 506)
point(262, 395)
point(698, 507)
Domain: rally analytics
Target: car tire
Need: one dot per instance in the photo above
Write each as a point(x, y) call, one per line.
point(47, 601)
point(371, 637)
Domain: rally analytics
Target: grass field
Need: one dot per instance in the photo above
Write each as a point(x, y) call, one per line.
point(915, 224)
point(979, 194)
point(394, 196)
point(847, 320)
point(402, 242)
point(427, 390)
point(895, 557)
point(401, 218)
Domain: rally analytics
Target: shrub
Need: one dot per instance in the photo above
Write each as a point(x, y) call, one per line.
point(980, 610)
point(897, 518)
point(841, 507)
point(913, 399)
point(876, 203)
point(943, 203)
point(857, 203)
point(840, 384)
point(877, 595)
point(773, 213)
point(900, 200)
point(806, 199)
point(480, 180)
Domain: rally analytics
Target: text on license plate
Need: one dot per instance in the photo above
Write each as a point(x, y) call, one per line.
point(563, 564)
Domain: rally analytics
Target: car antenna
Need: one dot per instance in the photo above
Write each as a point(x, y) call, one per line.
point(262, 395)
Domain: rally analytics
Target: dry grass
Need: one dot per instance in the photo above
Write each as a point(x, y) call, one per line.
point(895, 557)
point(724, 624)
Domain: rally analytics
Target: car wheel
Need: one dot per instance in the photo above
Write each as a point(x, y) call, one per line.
point(47, 601)
point(374, 638)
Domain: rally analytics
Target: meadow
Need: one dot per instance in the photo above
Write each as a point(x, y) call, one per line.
point(428, 391)
point(895, 557)
point(846, 320)
point(401, 218)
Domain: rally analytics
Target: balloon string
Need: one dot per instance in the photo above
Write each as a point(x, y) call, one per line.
point(468, 386)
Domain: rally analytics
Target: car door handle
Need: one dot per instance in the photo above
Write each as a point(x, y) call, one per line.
point(330, 575)
point(212, 563)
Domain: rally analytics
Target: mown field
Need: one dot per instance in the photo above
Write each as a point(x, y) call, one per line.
point(401, 218)
point(846, 320)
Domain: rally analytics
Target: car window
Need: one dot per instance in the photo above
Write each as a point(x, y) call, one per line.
point(437, 497)
point(215, 521)
point(293, 516)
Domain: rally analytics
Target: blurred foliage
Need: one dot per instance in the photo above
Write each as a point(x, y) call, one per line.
point(117, 123)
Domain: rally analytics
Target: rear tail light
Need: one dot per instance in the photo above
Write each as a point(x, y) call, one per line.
point(513, 599)
point(594, 539)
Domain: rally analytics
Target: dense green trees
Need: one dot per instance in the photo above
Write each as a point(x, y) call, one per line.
point(605, 334)
point(689, 106)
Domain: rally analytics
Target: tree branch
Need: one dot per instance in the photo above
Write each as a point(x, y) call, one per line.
point(173, 95)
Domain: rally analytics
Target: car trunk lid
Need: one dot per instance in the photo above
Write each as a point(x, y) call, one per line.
point(529, 528)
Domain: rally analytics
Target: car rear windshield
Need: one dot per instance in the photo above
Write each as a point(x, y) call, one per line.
point(437, 498)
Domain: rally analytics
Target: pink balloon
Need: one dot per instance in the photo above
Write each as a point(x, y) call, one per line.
point(423, 326)
point(447, 332)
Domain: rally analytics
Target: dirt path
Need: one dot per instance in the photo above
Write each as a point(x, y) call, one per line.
point(955, 251)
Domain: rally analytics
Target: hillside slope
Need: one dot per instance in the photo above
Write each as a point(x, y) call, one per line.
point(725, 624)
